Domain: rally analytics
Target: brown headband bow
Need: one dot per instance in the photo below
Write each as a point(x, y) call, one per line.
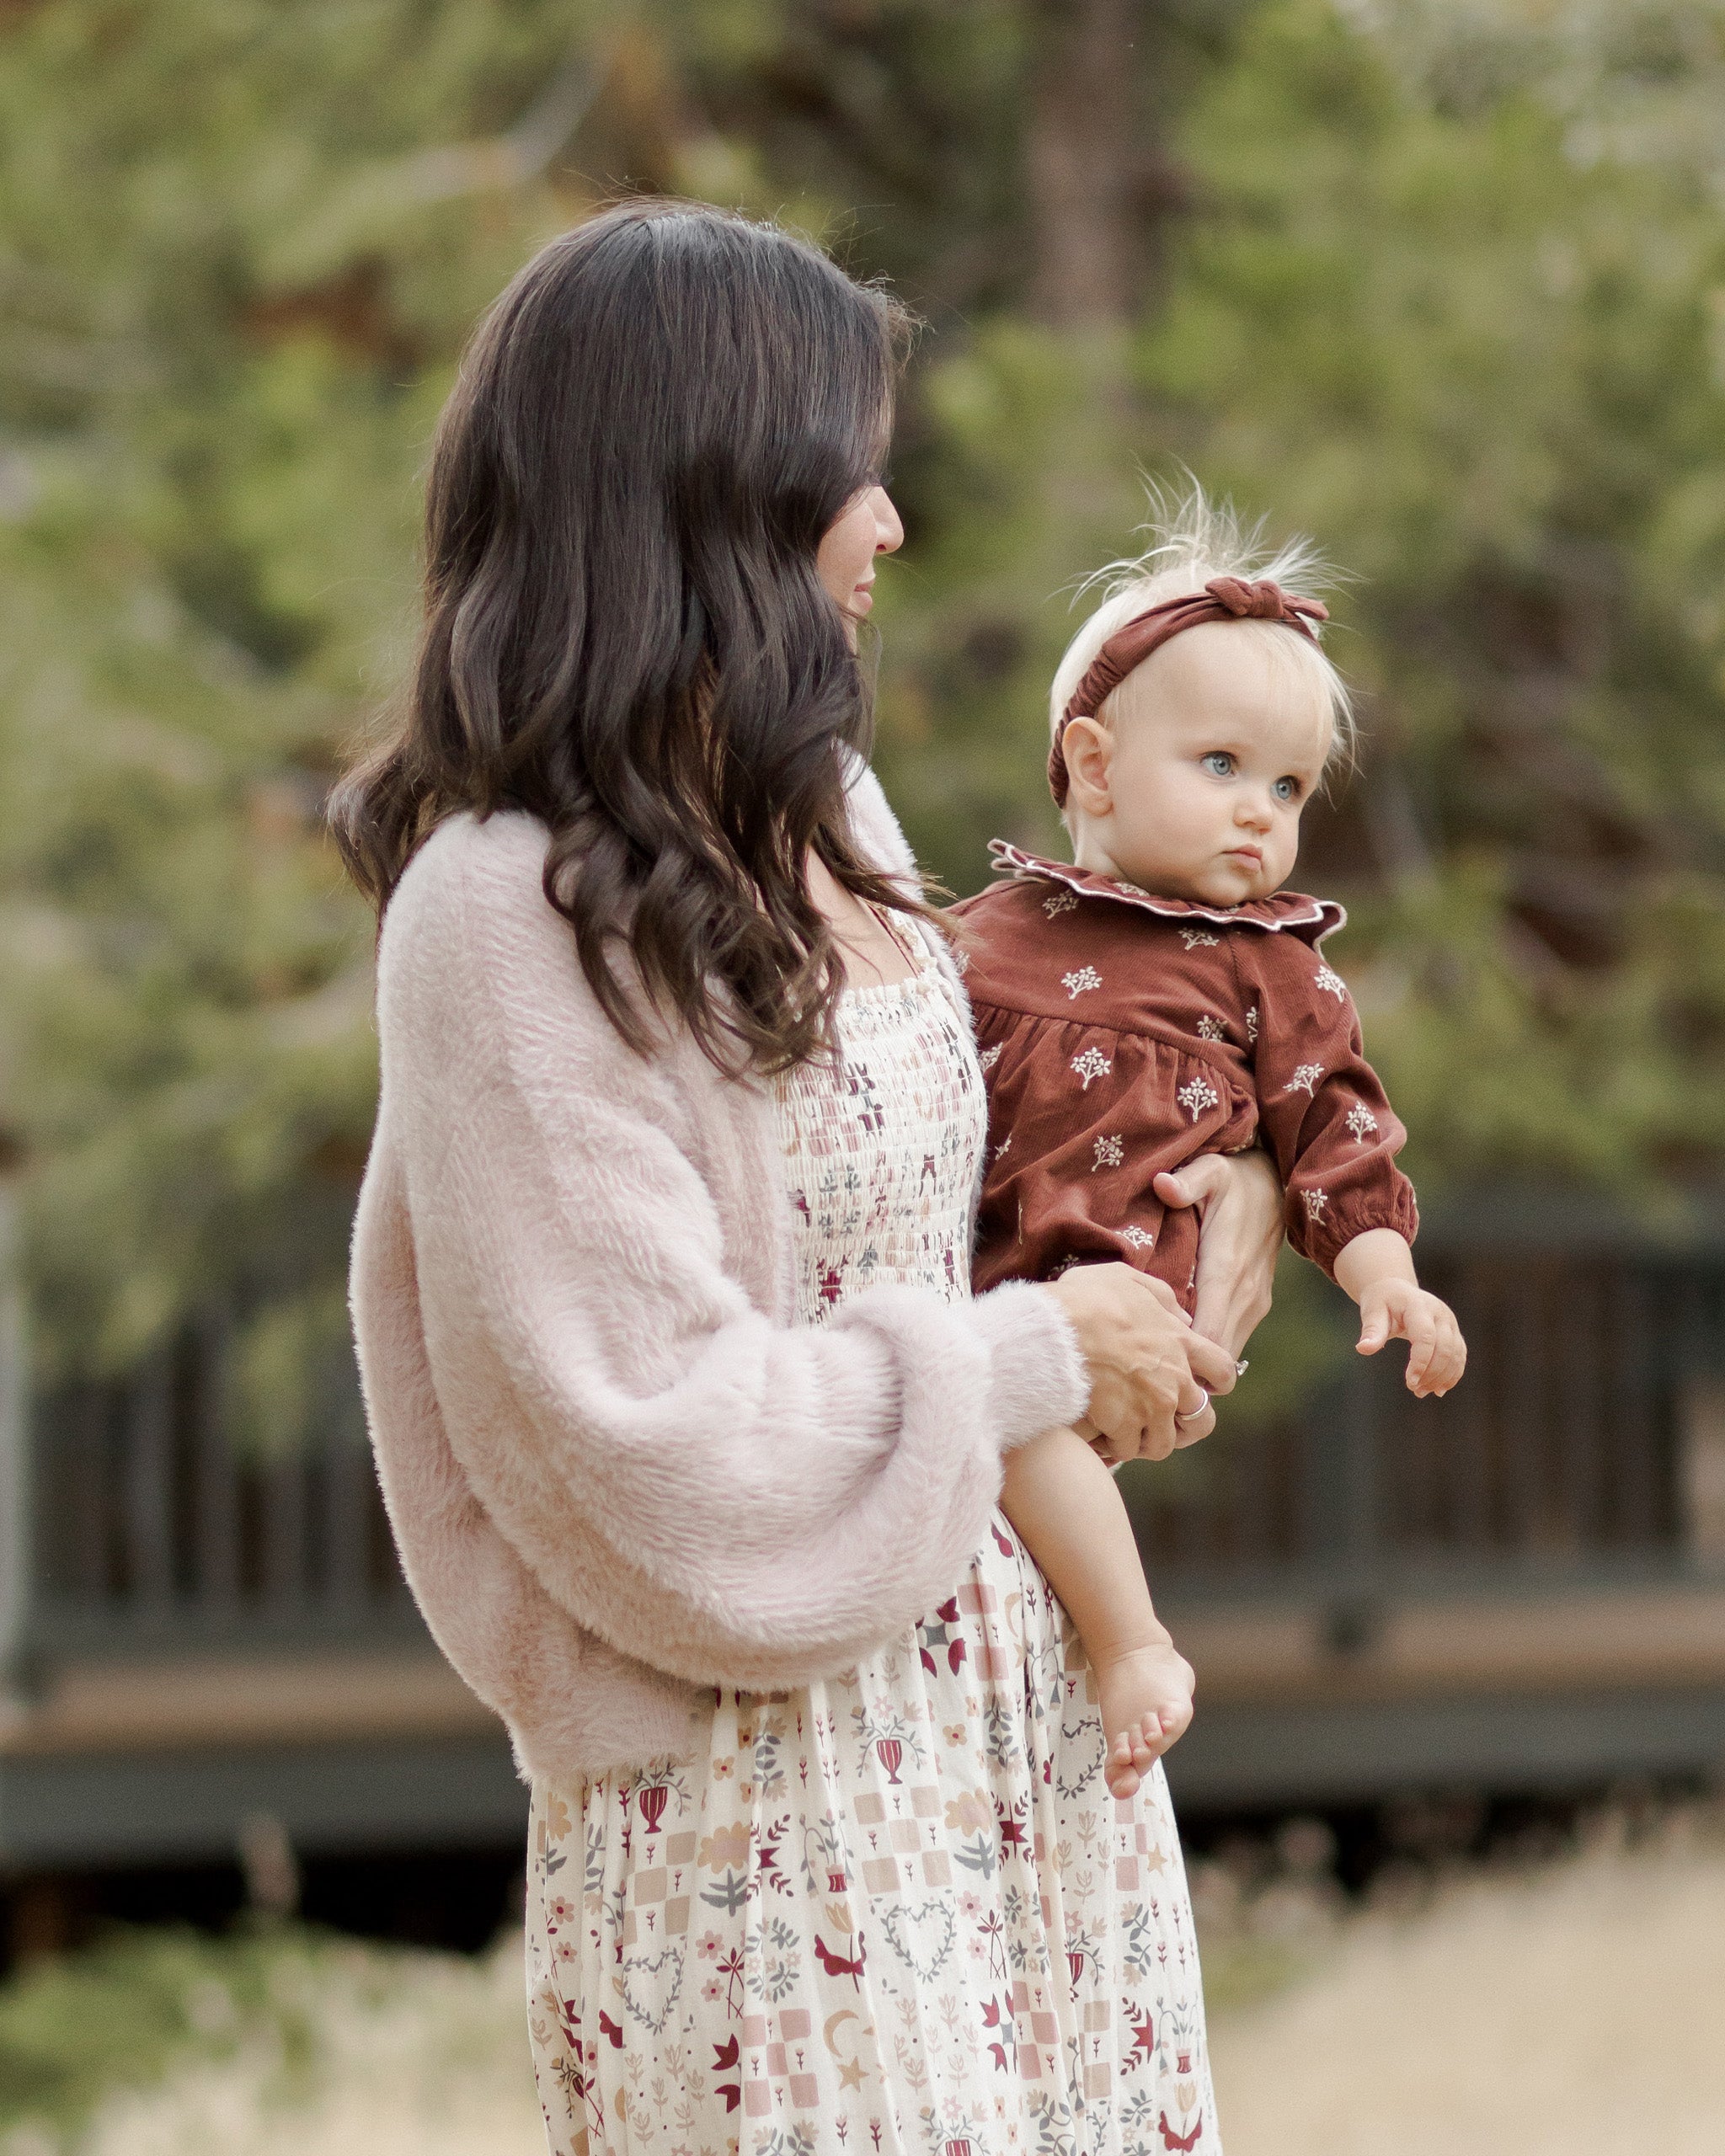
point(1223, 599)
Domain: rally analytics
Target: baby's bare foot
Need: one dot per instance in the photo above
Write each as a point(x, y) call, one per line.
point(1147, 1704)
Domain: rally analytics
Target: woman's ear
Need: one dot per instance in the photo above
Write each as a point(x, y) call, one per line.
point(1089, 747)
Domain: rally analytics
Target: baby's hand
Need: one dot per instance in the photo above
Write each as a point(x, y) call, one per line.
point(1397, 1309)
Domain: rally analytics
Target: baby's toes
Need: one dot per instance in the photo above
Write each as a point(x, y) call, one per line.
point(1121, 1771)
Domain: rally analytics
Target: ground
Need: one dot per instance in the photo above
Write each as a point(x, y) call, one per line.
point(1509, 2008)
point(1569, 2011)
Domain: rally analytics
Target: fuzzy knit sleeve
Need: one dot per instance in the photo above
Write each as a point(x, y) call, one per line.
point(729, 1499)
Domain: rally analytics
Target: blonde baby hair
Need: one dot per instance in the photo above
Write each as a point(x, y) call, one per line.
point(1193, 540)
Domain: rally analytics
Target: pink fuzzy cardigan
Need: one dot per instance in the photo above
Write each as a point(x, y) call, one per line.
point(618, 1472)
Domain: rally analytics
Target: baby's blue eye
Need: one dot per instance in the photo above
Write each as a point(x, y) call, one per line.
point(1218, 763)
point(1286, 789)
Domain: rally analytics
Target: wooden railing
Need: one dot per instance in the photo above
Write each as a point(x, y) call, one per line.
point(1588, 1441)
point(149, 1526)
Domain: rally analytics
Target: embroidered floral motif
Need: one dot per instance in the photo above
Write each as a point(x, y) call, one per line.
point(1361, 1122)
point(1197, 1094)
point(1075, 984)
point(1305, 1080)
point(1251, 1024)
point(990, 1057)
point(1110, 1153)
point(1140, 1238)
point(1059, 902)
point(1004, 1147)
point(1092, 1064)
point(1315, 1202)
point(1133, 890)
point(1334, 982)
point(961, 959)
point(1211, 1029)
point(1199, 939)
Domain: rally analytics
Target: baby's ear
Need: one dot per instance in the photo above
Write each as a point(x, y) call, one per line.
point(1089, 747)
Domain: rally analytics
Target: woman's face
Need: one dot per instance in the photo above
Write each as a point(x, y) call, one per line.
point(867, 525)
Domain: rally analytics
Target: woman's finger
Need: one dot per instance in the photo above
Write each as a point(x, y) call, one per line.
point(1240, 1201)
point(1213, 1367)
point(1099, 1442)
point(1175, 1191)
point(1192, 1430)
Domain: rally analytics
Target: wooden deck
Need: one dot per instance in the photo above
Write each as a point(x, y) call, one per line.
point(1312, 1703)
point(1659, 1637)
point(169, 1758)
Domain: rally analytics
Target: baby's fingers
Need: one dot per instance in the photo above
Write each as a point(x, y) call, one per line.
point(1374, 1327)
point(1450, 1358)
point(1421, 1328)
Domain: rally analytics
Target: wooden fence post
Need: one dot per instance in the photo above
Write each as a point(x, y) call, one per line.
point(16, 1510)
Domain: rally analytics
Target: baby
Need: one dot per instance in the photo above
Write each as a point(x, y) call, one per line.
point(1162, 997)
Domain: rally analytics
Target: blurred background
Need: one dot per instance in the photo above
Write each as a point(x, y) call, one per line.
point(1442, 285)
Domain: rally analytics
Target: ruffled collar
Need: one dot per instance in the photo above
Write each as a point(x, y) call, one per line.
point(1310, 918)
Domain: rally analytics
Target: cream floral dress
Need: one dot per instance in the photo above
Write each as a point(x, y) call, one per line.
point(898, 1911)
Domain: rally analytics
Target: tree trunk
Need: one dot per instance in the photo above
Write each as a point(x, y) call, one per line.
point(1084, 151)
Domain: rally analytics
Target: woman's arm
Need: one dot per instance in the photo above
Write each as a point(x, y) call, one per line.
point(731, 1499)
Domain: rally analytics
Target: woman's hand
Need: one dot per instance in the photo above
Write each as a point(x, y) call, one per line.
point(1239, 1203)
point(1151, 1374)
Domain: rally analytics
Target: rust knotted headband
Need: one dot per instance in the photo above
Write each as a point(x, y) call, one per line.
point(1223, 599)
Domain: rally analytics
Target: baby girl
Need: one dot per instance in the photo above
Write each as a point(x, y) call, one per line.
point(1161, 997)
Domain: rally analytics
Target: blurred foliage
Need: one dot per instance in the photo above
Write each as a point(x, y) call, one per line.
point(235, 282)
point(264, 2038)
point(1451, 297)
point(1442, 283)
point(120, 2014)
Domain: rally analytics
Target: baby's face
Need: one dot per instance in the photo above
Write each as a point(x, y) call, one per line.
point(1216, 744)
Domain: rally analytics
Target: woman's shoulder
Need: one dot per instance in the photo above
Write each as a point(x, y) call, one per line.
point(473, 894)
point(469, 923)
point(497, 860)
point(876, 829)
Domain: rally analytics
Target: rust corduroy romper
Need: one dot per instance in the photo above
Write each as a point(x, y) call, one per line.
point(1123, 1035)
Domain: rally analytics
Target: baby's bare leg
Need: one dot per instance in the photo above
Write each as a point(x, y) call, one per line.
point(1062, 1500)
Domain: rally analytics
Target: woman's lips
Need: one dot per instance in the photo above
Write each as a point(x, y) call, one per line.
point(863, 599)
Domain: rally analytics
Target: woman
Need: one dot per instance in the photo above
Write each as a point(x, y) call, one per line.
point(689, 1429)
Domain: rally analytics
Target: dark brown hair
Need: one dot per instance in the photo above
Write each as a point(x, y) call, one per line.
point(625, 633)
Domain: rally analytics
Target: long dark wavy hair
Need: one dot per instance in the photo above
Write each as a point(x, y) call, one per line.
point(625, 633)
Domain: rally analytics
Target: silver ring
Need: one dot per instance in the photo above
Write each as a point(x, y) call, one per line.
point(1194, 1416)
point(1242, 1367)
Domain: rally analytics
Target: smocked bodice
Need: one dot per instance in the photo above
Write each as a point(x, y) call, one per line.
point(881, 1153)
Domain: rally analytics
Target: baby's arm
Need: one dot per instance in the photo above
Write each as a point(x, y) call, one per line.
point(1063, 1501)
point(1377, 1270)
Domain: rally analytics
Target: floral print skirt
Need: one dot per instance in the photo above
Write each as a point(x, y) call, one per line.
point(897, 1912)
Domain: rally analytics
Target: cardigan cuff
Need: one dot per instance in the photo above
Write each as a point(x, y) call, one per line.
point(1037, 1376)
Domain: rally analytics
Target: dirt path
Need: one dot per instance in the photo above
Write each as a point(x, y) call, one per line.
point(1569, 2012)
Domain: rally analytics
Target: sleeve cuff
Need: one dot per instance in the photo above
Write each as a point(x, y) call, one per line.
point(1036, 1374)
point(1323, 1240)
